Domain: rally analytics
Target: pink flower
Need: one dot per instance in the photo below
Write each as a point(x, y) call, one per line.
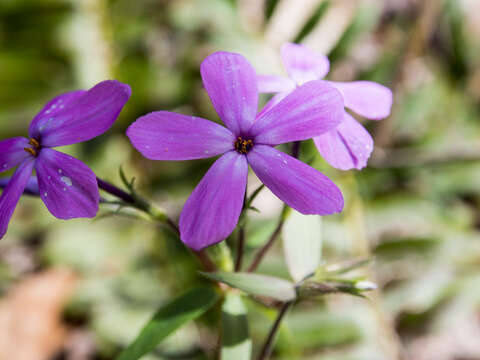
point(212, 210)
point(349, 145)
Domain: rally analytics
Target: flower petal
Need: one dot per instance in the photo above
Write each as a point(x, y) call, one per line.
point(50, 111)
point(231, 83)
point(302, 64)
point(346, 147)
point(67, 186)
point(12, 152)
point(30, 189)
point(212, 210)
point(274, 84)
point(83, 117)
point(164, 135)
point(300, 186)
point(366, 98)
point(310, 110)
point(12, 193)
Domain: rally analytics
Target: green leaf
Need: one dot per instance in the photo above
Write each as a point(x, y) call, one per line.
point(256, 284)
point(169, 318)
point(302, 244)
point(236, 343)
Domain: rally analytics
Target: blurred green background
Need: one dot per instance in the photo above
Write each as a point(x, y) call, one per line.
point(82, 289)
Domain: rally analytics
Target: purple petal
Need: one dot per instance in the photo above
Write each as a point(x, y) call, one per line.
point(231, 83)
point(212, 210)
point(346, 147)
point(300, 186)
point(30, 189)
point(309, 111)
point(165, 135)
point(12, 193)
point(83, 117)
point(303, 64)
point(366, 98)
point(67, 186)
point(12, 152)
point(50, 111)
point(274, 84)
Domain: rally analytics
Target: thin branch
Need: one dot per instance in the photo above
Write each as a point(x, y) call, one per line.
point(268, 345)
point(240, 247)
point(115, 191)
point(263, 251)
point(204, 259)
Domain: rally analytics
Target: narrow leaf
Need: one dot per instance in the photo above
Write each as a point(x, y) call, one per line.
point(255, 284)
point(302, 244)
point(168, 319)
point(236, 343)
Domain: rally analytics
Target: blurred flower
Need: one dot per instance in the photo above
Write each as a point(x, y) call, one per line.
point(349, 145)
point(212, 210)
point(66, 185)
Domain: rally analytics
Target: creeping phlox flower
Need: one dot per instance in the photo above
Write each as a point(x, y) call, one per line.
point(212, 210)
point(66, 185)
point(349, 145)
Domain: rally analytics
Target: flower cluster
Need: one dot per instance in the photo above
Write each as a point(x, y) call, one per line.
point(305, 107)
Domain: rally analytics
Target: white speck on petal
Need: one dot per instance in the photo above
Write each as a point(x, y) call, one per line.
point(64, 189)
point(45, 194)
point(66, 180)
point(60, 171)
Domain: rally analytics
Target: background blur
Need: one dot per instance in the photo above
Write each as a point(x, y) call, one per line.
point(82, 289)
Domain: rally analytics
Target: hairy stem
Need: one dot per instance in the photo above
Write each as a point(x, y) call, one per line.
point(268, 345)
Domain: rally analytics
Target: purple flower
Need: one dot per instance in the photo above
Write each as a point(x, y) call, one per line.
point(349, 145)
point(66, 185)
point(212, 210)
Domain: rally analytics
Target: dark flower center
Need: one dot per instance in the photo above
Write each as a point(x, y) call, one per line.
point(243, 146)
point(34, 149)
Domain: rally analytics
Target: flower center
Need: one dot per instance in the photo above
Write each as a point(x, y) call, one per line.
point(243, 146)
point(34, 149)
